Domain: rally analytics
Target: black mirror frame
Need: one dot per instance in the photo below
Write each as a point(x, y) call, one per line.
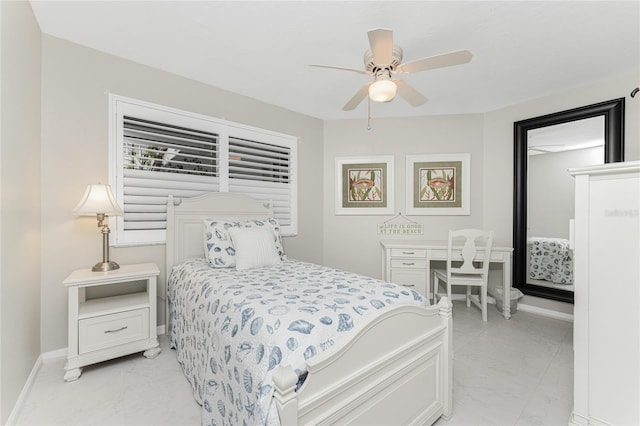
point(613, 112)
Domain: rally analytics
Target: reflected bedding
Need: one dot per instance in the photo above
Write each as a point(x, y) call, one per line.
point(550, 259)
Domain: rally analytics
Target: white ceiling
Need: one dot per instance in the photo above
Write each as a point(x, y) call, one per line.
point(262, 49)
point(579, 134)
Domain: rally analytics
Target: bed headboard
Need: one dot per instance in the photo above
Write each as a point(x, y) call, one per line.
point(185, 222)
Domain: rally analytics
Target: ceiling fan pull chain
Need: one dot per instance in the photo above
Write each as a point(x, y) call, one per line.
point(368, 113)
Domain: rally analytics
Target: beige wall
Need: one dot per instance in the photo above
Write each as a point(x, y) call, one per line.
point(498, 151)
point(489, 139)
point(20, 200)
point(351, 242)
point(75, 84)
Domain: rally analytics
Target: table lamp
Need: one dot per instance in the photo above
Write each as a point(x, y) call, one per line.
point(99, 200)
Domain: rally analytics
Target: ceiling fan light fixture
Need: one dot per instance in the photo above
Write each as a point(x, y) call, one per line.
point(382, 90)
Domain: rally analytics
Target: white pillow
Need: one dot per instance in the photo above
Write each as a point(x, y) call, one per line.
point(255, 248)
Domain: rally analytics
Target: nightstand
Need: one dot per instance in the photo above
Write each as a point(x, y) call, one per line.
point(103, 328)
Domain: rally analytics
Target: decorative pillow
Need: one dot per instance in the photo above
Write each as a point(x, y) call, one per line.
point(217, 243)
point(254, 247)
point(219, 247)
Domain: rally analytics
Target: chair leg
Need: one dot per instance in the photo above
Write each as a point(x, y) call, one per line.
point(435, 284)
point(483, 296)
point(468, 296)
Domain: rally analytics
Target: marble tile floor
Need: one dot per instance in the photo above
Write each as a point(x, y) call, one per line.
point(516, 372)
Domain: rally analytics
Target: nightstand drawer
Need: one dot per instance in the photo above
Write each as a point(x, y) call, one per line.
point(409, 263)
point(406, 252)
point(111, 330)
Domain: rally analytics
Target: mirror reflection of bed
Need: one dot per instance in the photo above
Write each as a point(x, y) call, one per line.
point(550, 195)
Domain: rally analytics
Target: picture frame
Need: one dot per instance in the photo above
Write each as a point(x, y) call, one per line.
point(438, 184)
point(364, 185)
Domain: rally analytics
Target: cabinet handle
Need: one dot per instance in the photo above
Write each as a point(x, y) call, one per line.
point(408, 263)
point(408, 252)
point(115, 331)
point(408, 285)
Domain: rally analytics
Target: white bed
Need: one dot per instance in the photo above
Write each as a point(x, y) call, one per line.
point(395, 366)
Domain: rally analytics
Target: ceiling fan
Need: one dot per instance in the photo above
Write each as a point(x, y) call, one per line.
point(384, 59)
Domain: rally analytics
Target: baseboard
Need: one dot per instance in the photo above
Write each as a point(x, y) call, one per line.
point(54, 355)
point(44, 358)
point(545, 312)
point(462, 296)
point(524, 308)
point(17, 407)
point(578, 420)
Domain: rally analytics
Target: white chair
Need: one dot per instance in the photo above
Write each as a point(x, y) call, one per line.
point(470, 268)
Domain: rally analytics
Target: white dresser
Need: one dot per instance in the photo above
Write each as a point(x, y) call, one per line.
point(607, 295)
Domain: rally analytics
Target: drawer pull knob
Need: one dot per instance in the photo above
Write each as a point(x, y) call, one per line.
point(116, 330)
point(408, 263)
point(408, 252)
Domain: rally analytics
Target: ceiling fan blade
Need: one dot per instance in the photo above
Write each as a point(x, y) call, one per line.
point(362, 93)
point(438, 61)
point(340, 68)
point(381, 41)
point(409, 94)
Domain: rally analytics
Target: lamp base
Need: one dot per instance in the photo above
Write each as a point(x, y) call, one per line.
point(105, 266)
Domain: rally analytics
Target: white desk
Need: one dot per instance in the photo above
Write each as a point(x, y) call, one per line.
point(411, 260)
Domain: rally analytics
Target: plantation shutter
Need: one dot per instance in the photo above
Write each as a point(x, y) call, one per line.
point(157, 151)
point(159, 160)
point(263, 171)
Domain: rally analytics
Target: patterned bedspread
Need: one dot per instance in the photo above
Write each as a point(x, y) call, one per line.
point(550, 259)
point(231, 329)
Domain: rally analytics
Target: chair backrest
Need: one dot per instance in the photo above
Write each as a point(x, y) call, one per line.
point(475, 243)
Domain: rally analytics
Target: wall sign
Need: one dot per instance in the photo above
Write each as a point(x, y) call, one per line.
point(400, 229)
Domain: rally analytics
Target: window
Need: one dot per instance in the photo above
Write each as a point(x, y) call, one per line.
point(157, 151)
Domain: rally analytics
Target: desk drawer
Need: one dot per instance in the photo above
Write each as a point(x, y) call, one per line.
point(410, 278)
point(409, 263)
point(407, 252)
point(111, 330)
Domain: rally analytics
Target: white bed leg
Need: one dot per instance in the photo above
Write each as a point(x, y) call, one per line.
point(285, 380)
point(447, 389)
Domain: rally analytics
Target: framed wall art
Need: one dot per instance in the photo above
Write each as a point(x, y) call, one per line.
point(438, 184)
point(364, 185)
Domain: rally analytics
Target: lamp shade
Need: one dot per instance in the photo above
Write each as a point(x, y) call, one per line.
point(98, 199)
point(382, 90)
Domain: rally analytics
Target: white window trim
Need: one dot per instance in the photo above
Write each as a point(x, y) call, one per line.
point(118, 104)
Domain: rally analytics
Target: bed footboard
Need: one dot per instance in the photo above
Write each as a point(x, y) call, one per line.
point(397, 369)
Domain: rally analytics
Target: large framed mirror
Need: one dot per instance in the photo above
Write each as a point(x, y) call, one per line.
point(544, 148)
